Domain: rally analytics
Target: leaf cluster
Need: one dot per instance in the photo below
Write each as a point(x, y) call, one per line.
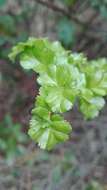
point(64, 78)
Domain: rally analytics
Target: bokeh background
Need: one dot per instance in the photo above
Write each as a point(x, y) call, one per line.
point(80, 163)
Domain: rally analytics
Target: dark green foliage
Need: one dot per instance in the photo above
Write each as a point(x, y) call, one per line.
point(11, 138)
point(101, 6)
point(66, 32)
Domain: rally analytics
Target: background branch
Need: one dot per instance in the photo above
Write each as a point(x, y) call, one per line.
point(61, 10)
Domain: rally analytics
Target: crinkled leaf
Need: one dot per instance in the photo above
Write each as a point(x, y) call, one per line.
point(91, 109)
point(55, 98)
point(47, 133)
point(37, 50)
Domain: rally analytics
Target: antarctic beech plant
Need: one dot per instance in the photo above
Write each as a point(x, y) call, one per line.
point(64, 78)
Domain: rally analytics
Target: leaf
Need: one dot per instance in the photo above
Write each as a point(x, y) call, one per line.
point(60, 89)
point(91, 109)
point(29, 62)
point(86, 94)
point(66, 32)
point(41, 112)
point(97, 81)
point(66, 78)
point(39, 49)
point(79, 60)
point(55, 98)
point(48, 78)
point(48, 132)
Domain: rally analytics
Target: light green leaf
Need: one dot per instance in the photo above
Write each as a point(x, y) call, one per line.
point(91, 109)
point(29, 62)
point(55, 98)
point(49, 132)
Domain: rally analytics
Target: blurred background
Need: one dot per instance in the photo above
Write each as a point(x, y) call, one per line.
point(80, 163)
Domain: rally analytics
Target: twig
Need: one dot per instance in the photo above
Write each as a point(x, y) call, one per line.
point(61, 10)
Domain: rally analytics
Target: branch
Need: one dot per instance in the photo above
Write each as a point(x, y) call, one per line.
point(63, 11)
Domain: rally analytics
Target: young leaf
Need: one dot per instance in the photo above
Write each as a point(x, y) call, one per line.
point(49, 132)
point(64, 78)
